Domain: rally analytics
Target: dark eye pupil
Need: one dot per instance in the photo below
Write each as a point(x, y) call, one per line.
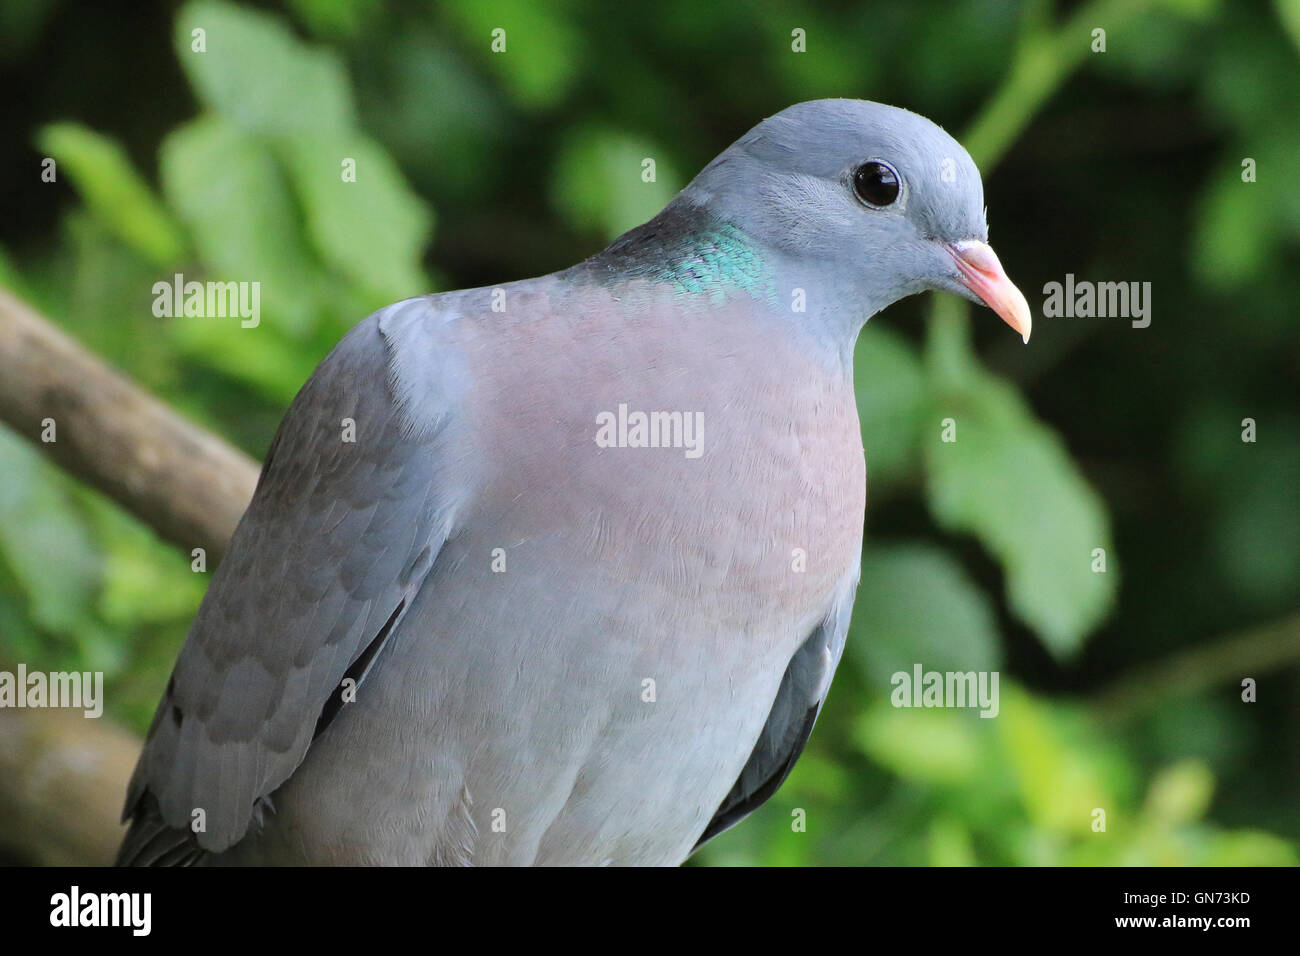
point(876, 183)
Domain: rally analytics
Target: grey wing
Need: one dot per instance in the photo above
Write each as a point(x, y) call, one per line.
point(339, 536)
point(799, 700)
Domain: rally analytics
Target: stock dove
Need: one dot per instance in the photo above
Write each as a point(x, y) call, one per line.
point(575, 592)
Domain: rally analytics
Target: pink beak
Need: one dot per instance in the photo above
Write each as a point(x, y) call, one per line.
point(982, 273)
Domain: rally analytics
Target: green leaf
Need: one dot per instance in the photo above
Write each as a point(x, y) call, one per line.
point(950, 843)
point(542, 48)
point(257, 74)
point(333, 19)
point(43, 540)
point(916, 605)
point(373, 230)
point(1065, 769)
point(939, 746)
point(1235, 231)
point(114, 192)
point(598, 184)
point(1009, 480)
point(1249, 848)
point(890, 387)
point(277, 368)
point(1180, 794)
point(233, 197)
point(10, 278)
point(1288, 11)
point(105, 301)
point(1198, 10)
point(145, 580)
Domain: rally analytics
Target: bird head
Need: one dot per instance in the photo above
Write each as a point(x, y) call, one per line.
point(876, 202)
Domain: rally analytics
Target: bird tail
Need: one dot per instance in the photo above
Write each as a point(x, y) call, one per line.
point(151, 841)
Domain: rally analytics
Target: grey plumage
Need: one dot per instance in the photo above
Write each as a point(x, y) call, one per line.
point(647, 664)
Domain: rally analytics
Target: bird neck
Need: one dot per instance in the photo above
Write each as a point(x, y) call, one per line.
point(699, 254)
point(694, 252)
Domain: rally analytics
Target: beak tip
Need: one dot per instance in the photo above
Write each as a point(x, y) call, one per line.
point(982, 274)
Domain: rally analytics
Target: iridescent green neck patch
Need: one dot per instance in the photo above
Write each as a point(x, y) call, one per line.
point(713, 258)
point(715, 261)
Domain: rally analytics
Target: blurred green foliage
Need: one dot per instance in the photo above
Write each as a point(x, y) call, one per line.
point(1122, 165)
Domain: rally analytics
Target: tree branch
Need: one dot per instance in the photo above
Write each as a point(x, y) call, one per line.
point(188, 485)
point(63, 776)
point(1223, 661)
point(63, 780)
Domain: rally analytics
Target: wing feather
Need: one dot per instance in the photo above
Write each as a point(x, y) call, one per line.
point(338, 538)
point(799, 700)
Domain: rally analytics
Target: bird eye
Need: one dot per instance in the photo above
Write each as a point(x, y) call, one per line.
point(876, 184)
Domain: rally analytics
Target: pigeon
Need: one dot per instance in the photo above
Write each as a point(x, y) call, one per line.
point(558, 572)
